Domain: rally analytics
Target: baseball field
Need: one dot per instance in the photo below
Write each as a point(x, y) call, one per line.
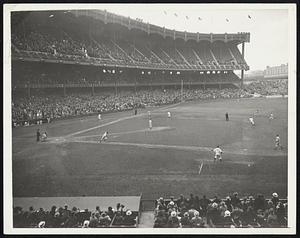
point(173, 158)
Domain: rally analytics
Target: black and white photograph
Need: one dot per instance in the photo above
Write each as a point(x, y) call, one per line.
point(149, 118)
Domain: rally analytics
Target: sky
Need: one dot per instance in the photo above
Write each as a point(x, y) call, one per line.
point(268, 27)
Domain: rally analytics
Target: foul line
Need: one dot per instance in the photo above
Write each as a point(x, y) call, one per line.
point(200, 168)
point(118, 120)
point(160, 146)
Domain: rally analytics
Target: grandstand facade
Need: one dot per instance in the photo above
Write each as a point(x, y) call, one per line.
point(97, 49)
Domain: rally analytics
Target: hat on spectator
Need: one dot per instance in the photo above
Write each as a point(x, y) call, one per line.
point(235, 194)
point(251, 197)
point(86, 223)
point(196, 213)
point(228, 198)
point(103, 214)
point(275, 195)
point(42, 224)
point(186, 214)
point(128, 213)
point(214, 205)
point(173, 214)
point(172, 203)
point(227, 213)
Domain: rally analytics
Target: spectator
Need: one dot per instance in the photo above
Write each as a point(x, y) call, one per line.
point(197, 221)
point(173, 221)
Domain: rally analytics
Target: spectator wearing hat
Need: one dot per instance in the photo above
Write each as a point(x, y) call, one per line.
point(250, 202)
point(227, 220)
point(93, 221)
point(228, 203)
point(173, 221)
point(222, 208)
point(197, 221)
point(235, 200)
point(97, 212)
point(161, 202)
point(275, 199)
point(104, 219)
point(110, 212)
point(185, 220)
point(172, 206)
point(129, 219)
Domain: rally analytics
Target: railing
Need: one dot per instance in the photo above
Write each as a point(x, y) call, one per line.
point(76, 59)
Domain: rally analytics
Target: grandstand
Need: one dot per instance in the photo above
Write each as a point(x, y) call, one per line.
point(76, 63)
point(108, 43)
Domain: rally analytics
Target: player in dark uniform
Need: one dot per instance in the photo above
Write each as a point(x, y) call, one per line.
point(38, 135)
point(227, 116)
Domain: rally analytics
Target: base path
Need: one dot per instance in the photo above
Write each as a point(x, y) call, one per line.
point(120, 119)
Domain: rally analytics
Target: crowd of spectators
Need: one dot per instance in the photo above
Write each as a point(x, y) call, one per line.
point(63, 217)
point(268, 87)
point(232, 212)
point(65, 45)
point(55, 107)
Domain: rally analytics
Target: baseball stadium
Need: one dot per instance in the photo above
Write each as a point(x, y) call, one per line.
point(165, 99)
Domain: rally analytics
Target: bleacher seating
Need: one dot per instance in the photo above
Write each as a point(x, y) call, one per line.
point(231, 212)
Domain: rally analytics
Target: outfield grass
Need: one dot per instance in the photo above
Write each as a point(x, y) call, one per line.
point(164, 161)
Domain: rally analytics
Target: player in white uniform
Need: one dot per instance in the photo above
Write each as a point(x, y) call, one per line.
point(150, 124)
point(277, 143)
point(44, 137)
point(104, 137)
point(169, 114)
point(251, 121)
point(99, 116)
point(218, 154)
point(271, 117)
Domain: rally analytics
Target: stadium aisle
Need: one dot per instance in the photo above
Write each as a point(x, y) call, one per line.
point(146, 219)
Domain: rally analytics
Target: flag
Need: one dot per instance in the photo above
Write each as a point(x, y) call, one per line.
point(199, 18)
point(249, 16)
point(227, 20)
point(187, 17)
point(165, 12)
point(175, 15)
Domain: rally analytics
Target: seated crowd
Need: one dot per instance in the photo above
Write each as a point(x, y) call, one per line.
point(232, 212)
point(59, 44)
point(63, 217)
point(55, 107)
point(269, 87)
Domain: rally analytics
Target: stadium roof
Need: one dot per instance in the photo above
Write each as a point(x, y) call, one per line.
point(130, 23)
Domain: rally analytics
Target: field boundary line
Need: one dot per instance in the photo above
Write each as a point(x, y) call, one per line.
point(177, 147)
point(200, 168)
